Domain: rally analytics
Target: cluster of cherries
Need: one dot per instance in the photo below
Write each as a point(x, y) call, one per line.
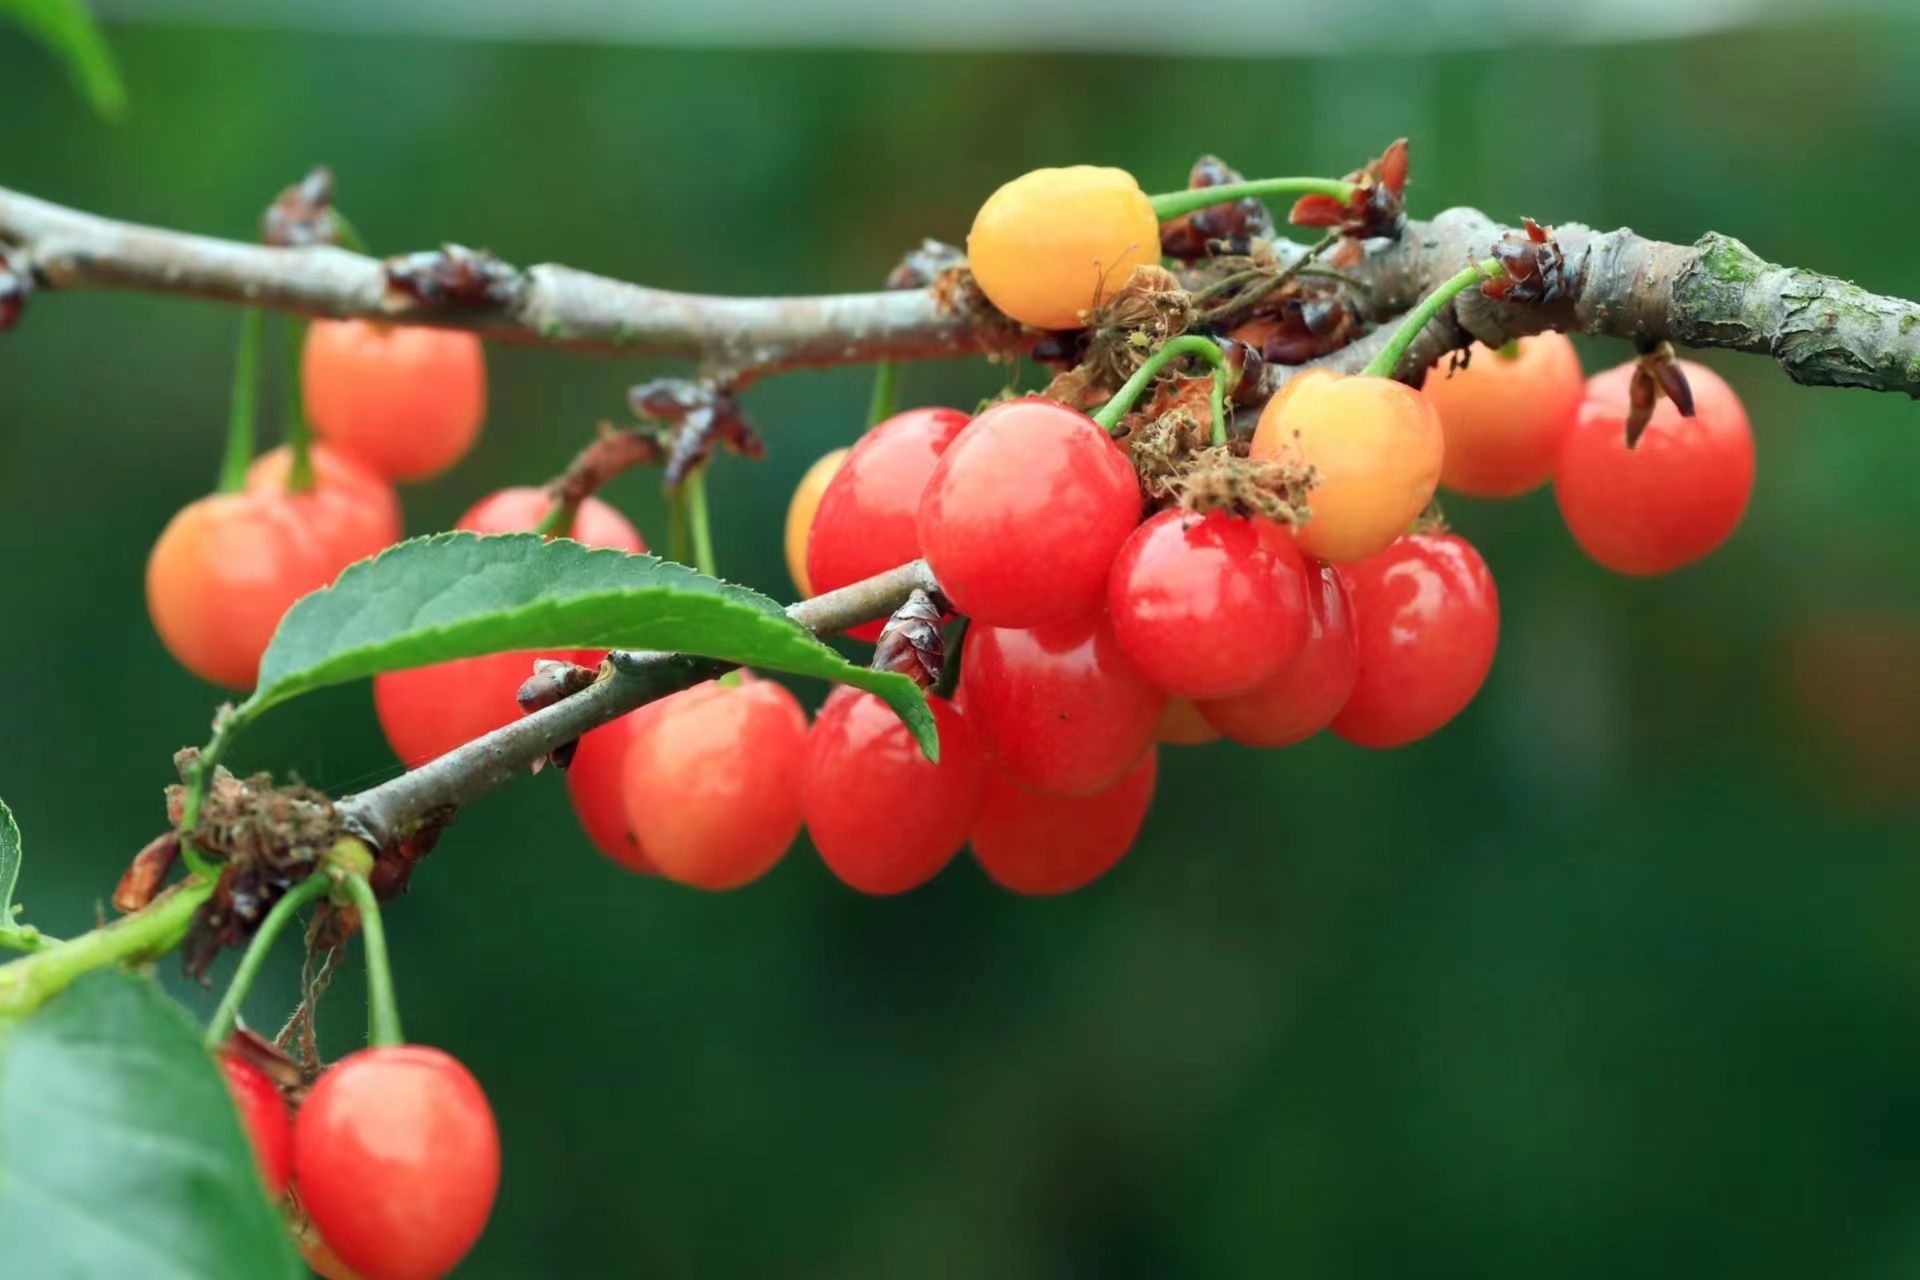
point(391, 1161)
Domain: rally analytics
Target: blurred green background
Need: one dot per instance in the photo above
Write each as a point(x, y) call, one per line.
point(1617, 975)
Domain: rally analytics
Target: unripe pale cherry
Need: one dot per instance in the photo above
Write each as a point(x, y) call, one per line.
point(884, 817)
point(1023, 516)
point(1208, 605)
point(1054, 243)
point(800, 511)
point(1060, 709)
point(1041, 844)
point(1672, 498)
point(712, 782)
point(1427, 620)
point(1505, 416)
point(1301, 698)
point(405, 400)
point(1376, 446)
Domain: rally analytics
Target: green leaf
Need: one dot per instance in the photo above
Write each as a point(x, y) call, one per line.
point(457, 595)
point(120, 1149)
point(9, 862)
point(66, 27)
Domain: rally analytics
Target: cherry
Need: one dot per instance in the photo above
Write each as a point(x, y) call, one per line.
point(1301, 698)
point(1376, 445)
point(595, 782)
point(1209, 605)
point(1052, 244)
point(320, 1257)
point(800, 511)
point(1023, 516)
point(1505, 416)
point(1672, 498)
point(866, 522)
point(1427, 620)
point(265, 1118)
point(397, 1160)
point(1182, 725)
point(406, 401)
point(1040, 844)
point(712, 782)
point(1061, 709)
point(885, 818)
point(428, 711)
point(351, 509)
point(222, 573)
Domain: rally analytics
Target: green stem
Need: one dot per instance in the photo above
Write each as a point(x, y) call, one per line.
point(384, 1016)
point(558, 522)
point(256, 954)
point(1383, 365)
point(1172, 204)
point(676, 526)
point(1190, 345)
point(242, 408)
point(956, 645)
point(696, 491)
point(345, 234)
point(299, 433)
point(150, 932)
point(24, 937)
point(886, 393)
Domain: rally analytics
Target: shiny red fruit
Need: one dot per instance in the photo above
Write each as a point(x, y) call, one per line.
point(1672, 498)
point(1301, 698)
point(1039, 844)
point(1427, 619)
point(265, 1118)
point(407, 401)
point(428, 711)
point(397, 1159)
point(1061, 709)
point(712, 782)
point(1210, 605)
point(1025, 512)
point(885, 818)
point(595, 778)
point(867, 518)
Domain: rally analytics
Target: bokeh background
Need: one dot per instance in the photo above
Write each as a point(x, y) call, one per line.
point(1617, 975)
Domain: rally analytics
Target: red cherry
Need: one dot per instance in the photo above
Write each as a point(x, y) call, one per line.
point(1674, 496)
point(712, 782)
point(885, 818)
point(351, 509)
point(1303, 697)
point(1061, 709)
point(406, 401)
point(1427, 618)
point(1025, 512)
point(1039, 844)
point(428, 711)
point(265, 1118)
point(1208, 605)
point(397, 1159)
point(866, 521)
point(1505, 414)
point(595, 778)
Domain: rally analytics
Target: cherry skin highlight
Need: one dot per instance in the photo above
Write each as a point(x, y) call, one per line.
point(1055, 243)
point(1427, 620)
point(1211, 605)
point(712, 782)
point(1039, 844)
point(406, 401)
point(885, 818)
point(1377, 447)
point(397, 1159)
point(265, 1118)
point(1505, 417)
point(1060, 709)
point(1672, 498)
point(867, 519)
point(1025, 513)
point(1301, 698)
point(800, 513)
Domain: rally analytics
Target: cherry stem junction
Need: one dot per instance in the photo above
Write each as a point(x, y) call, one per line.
point(383, 1017)
point(1384, 364)
point(1207, 349)
point(1172, 204)
point(256, 954)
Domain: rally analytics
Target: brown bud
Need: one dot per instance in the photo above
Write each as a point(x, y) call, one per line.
point(455, 278)
point(551, 681)
point(913, 642)
point(922, 266)
point(302, 214)
point(147, 872)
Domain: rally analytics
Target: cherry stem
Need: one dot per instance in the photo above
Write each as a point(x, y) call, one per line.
point(886, 393)
point(1190, 345)
point(256, 954)
point(243, 407)
point(299, 432)
point(345, 234)
point(1384, 364)
point(1172, 204)
point(383, 1018)
point(558, 522)
point(695, 489)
